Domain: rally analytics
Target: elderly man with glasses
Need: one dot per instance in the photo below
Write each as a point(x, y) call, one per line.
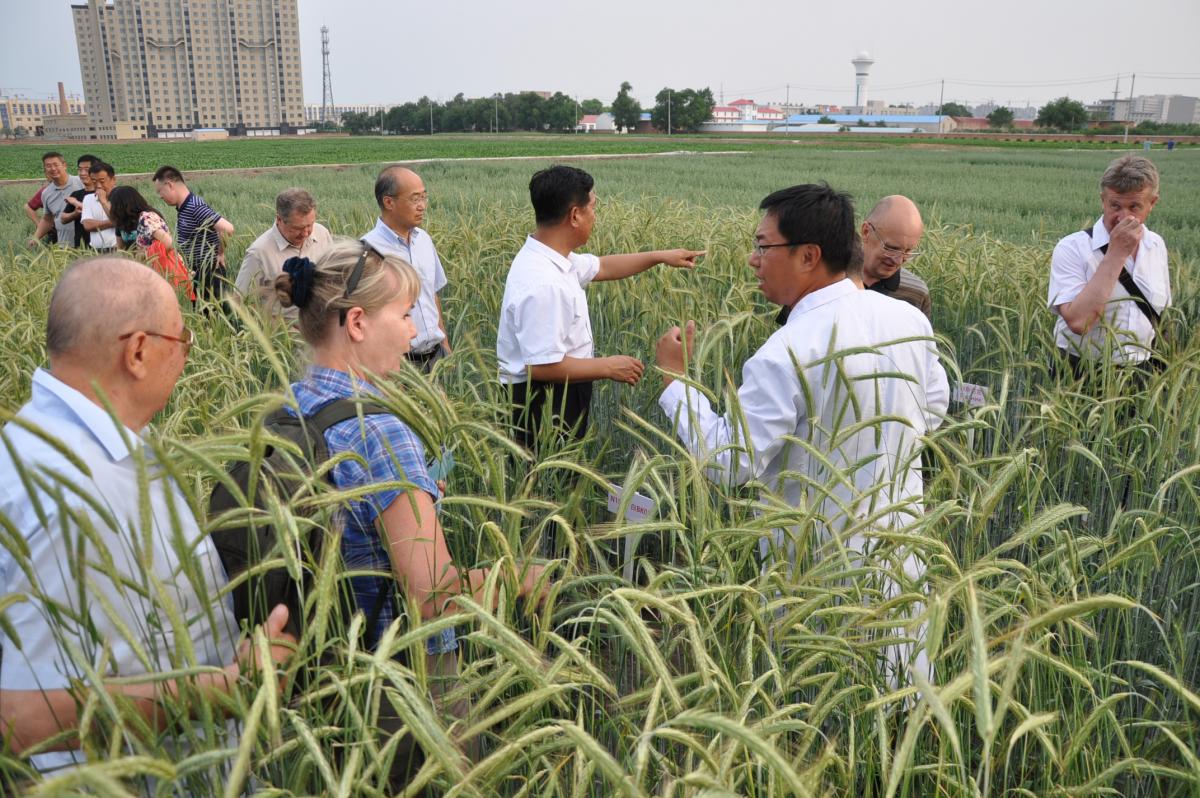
point(402, 199)
point(112, 577)
point(890, 237)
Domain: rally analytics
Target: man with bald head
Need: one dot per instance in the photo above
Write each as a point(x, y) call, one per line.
point(114, 576)
point(402, 200)
point(890, 237)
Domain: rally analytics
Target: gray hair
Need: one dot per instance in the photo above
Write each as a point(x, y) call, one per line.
point(1130, 173)
point(293, 200)
point(94, 297)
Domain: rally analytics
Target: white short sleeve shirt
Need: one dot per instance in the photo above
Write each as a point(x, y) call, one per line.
point(93, 210)
point(420, 252)
point(544, 312)
point(1074, 263)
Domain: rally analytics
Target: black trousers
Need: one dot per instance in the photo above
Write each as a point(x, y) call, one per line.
point(425, 360)
point(567, 406)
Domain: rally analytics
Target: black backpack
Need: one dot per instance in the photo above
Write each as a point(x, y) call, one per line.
point(243, 531)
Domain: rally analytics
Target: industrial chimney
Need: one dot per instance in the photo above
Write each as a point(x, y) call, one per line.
point(63, 108)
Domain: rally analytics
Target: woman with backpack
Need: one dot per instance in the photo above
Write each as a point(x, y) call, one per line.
point(141, 228)
point(355, 313)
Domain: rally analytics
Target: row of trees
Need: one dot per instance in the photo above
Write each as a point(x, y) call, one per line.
point(686, 110)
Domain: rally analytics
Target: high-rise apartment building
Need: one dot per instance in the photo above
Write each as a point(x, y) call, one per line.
point(168, 67)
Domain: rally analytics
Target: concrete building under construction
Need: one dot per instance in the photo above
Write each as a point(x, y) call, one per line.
point(165, 68)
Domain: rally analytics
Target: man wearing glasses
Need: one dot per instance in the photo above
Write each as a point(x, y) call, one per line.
point(112, 570)
point(832, 409)
point(402, 200)
point(890, 236)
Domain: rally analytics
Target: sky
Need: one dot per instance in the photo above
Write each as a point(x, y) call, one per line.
point(391, 51)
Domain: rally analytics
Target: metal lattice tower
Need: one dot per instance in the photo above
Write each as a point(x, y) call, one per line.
point(326, 80)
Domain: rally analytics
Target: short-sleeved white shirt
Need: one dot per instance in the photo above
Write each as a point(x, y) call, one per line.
point(544, 313)
point(1074, 263)
point(419, 252)
point(93, 210)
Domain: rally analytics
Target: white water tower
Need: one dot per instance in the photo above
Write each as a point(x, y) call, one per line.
point(862, 70)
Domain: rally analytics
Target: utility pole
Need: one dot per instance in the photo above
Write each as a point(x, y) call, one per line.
point(942, 99)
point(381, 120)
point(326, 79)
point(668, 112)
point(787, 105)
point(576, 113)
point(1129, 113)
point(496, 111)
point(431, 116)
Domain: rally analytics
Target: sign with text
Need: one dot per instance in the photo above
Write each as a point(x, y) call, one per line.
point(641, 508)
point(970, 394)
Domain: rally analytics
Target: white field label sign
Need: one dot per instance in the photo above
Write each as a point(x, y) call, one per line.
point(641, 508)
point(970, 394)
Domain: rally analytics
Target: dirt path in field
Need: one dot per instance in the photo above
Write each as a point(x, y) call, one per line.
point(341, 167)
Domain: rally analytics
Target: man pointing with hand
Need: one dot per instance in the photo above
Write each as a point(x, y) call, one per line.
point(544, 343)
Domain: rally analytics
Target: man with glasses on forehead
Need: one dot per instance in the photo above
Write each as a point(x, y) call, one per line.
point(112, 569)
point(891, 236)
point(402, 200)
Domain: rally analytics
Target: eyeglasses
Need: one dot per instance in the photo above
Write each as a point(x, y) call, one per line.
point(894, 252)
point(760, 250)
point(414, 199)
point(352, 283)
point(188, 339)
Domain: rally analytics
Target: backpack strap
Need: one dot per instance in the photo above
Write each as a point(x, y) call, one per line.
point(1131, 287)
point(335, 413)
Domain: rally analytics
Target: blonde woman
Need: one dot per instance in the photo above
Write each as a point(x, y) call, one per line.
point(355, 311)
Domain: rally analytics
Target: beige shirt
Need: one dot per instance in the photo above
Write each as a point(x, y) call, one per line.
point(264, 260)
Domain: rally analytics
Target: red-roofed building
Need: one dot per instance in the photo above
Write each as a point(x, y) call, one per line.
point(768, 113)
point(726, 113)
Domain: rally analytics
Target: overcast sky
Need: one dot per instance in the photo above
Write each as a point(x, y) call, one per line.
point(1010, 52)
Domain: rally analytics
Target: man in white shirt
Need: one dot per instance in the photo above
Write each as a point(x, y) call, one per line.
point(402, 199)
point(94, 214)
point(1109, 283)
point(544, 343)
point(113, 574)
point(296, 233)
point(832, 408)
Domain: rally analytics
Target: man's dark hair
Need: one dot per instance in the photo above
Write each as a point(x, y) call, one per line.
point(813, 213)
point(102, 166)
point(91, 159)
point(555, 191)
point(387, 184)
point(165, 173)
point(53, 154)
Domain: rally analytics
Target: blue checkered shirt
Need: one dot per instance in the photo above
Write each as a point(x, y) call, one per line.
point(387, 451)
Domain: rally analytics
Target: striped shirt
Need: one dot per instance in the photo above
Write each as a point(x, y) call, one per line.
point(387, 450)
point(907, 287)
point(196, 237)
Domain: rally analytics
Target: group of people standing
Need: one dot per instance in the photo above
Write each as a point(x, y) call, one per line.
point(831, 411)
point(90, 211)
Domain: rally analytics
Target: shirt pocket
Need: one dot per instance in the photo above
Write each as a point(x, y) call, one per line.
point(581, 321)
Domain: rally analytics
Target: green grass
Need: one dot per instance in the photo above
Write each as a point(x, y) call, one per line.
point(1060, 527)
point(23, 160)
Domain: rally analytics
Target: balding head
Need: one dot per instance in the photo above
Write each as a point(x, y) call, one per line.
point(400, 193)
point(99, 299)
point(893, 228)
point(114, 334)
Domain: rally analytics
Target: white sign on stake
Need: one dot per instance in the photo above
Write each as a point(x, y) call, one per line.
point(970, 394)
point(641, 508)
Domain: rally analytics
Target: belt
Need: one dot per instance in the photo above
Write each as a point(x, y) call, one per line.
point(427, 355)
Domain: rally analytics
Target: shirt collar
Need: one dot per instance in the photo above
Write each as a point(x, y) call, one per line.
point(563, 263)
point(1099, 234)
point(822, 296)
point(340, 383)
point(887, 285)
point(94, 418)
point(391, 235)
point(282, 243)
